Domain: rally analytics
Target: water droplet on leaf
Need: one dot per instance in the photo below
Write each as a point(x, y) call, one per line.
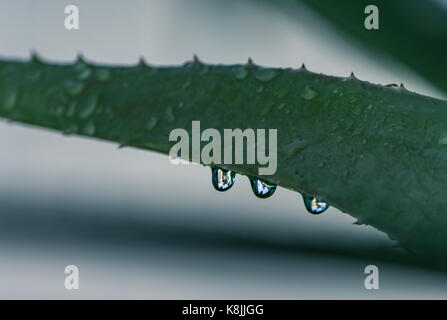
point(35, 76)
point(314, 205)
point(309, 93)
point(222, 179)
point(84, 74)
point(10, 99)
point(240, 73)
point(169, 114)
point(262, 189)
point(103, 74)
point(71, 109)
point(265, 75)
point(58, 111)
point(74, 87)
point(443, 139)
point(89, 129)
point(151, 123)
point(89, 107)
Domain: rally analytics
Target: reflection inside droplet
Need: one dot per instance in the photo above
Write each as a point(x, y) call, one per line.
point(222, 179)
point(314, 205)
point(262, 189)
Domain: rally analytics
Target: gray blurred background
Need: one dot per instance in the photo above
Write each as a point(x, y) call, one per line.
point(138, 226)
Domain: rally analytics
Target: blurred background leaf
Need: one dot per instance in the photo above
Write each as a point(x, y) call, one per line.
point(412, 32)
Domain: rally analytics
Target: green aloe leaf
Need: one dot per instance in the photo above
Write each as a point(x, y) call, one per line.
point(375, 152)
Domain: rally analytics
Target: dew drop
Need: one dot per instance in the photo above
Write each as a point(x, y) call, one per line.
point(71, 109)
point(9, 101)
point(204, 70)
point(89, 129)
point(169, 114)
point(74, 87)
point(265, 75)
point(443, 139)
point(58, 111)
point(89, 108)
point(292, 149)
point(152, 122)
point(222, 179)
point(267, 109)
point(309, 93)
point(314, 205)
point(103, 74)
point(186, 85)
point(262, 189)
point(84, 74)
point(37, 75)
point(240, 73)
point(392, 85)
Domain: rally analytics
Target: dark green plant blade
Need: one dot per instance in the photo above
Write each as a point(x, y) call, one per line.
point(375, 152)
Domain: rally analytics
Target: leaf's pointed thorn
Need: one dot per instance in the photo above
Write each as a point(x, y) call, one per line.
point(142, 62)
point(80, 58)
point(303, 67)
point(35, 57)
point(196, 60)
point(352, 76)
point(358, 222)
point(250, 63)
point(402, 87)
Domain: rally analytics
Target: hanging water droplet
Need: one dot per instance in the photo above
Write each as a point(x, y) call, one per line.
point(103, 74)
point(392, 85)
point(265, 75)
point(262, 189)
point(74, 87)
point(314, 205)
point(222, 179)
point(309, 93)
point(240, 73)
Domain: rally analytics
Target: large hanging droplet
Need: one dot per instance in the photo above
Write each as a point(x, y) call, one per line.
point(314, 205)
point(222, 179)
point(262, 189)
